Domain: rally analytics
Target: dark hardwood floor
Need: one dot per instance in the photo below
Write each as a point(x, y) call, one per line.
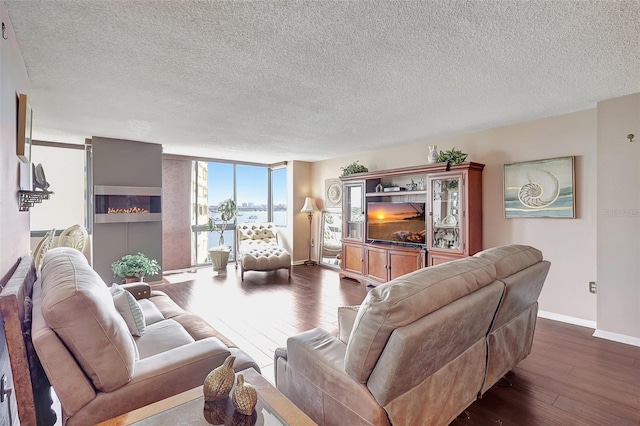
point(570, 378)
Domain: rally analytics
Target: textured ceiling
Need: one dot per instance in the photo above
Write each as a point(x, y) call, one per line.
point(309, 80)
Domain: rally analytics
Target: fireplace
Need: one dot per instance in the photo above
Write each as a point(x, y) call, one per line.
point(114, 204)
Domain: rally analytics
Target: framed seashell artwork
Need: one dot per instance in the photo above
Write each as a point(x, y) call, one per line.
point(540, 188)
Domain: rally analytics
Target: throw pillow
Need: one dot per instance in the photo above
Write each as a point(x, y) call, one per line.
point(129, 309)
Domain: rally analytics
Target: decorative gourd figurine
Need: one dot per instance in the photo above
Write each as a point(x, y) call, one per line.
point(219, 382)
point(245, 397)
point(215, 412)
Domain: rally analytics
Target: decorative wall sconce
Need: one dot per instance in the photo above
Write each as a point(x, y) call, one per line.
point(630, 136)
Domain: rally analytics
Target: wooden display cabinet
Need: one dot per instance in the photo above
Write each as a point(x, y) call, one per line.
point(384, 263)
point(352, 265)
point(453, 219)
point(454, 223)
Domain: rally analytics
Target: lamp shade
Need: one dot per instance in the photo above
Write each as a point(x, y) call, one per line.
point(309, 205)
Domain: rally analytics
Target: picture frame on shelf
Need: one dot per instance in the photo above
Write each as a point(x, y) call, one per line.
point(25, 118)
point(540, 188)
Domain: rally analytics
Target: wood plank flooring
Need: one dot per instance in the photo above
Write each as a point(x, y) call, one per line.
point(570, 378)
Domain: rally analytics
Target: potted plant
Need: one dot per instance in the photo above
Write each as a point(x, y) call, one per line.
point(228, 210)
point(352, 168)
point(453, 156)
point(134, 267)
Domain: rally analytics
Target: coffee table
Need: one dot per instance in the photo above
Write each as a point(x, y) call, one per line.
point(187, 408)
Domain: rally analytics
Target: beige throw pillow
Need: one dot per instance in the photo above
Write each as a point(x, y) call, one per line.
point(129, 309)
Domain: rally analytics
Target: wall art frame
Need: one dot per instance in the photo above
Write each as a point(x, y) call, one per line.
point(333, 193)
point(540, 188)
point(25, 118)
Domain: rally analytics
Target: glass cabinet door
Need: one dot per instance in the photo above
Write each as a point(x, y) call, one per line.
point(446, 213)
point(354, 211)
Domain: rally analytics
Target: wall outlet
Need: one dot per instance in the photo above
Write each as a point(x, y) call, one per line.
point(592, 287)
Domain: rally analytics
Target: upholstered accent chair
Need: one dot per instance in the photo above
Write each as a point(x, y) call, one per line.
point(75, 236)
point(259, 248)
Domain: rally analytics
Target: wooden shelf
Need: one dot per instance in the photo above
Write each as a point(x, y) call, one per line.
point(29, 198)
point(395, 193)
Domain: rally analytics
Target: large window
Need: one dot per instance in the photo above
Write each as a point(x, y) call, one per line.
point(253, 193)
point(260, 192)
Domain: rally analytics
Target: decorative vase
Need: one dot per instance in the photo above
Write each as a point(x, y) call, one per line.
point(245, 397)
point(129, 280)
point(219, 382)
point(432, 157)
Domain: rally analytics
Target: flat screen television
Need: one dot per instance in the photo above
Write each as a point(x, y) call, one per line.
point(396, 222)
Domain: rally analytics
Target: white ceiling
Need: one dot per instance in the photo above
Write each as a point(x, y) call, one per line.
point(265, 81)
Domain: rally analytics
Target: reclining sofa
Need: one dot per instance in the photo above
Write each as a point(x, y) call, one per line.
point(97, 368)
point(421, 348)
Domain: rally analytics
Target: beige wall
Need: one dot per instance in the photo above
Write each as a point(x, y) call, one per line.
point(619, 218)
point(14, 225)
point(14, 233)
point(570, 244)
point(299, 185)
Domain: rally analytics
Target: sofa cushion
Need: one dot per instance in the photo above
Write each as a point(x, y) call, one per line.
point(150, 311)
point(511, 259)
point(78, 306)
point(129, 309)
point(404, 300)
point(346, 319)
point(162, 336)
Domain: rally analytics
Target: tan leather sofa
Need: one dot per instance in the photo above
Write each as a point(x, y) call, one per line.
point(97, 368)
point(420, 348)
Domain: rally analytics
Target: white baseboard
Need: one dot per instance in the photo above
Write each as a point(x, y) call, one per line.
point(566, 318)
point(621, 338)
point(615, 337)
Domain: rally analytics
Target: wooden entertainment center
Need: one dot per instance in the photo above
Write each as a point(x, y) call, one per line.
point(451, 199)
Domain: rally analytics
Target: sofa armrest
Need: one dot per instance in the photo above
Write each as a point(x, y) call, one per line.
point(182, 359)
point(346, 319)
point(313, 371)
point(140, 290)
point(157, 377)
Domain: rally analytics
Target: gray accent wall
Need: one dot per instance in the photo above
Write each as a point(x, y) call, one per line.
point(118, 162)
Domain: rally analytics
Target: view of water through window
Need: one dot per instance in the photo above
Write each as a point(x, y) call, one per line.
point(249, 186)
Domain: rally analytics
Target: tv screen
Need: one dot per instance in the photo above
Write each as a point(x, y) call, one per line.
point(396, 222)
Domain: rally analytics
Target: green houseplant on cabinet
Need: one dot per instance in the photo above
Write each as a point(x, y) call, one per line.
point(228, 211)
point(134, 267)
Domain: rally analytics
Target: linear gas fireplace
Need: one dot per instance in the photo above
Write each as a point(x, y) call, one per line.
point(127, 204)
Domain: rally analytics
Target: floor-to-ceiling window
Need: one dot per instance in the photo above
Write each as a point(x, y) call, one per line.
point(260, 192)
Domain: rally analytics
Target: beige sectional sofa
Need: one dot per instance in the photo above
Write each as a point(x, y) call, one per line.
point(420, 348)
point(96, 366)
